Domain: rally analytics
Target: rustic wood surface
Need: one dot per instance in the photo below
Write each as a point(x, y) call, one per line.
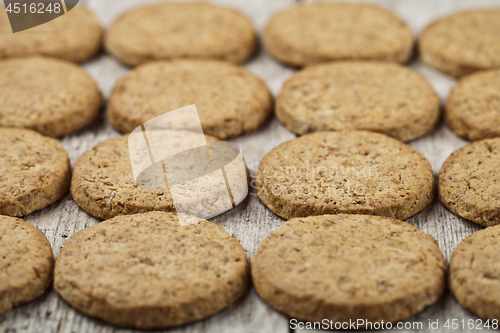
point(251, 221)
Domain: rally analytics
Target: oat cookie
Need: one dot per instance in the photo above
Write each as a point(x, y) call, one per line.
point(469, 182)
point(473, 106)
point(75, 36)
point(34, 173)
point(345, 172)
point(375, 96)
point(50, 96)
point(229, 99)
point(26, 263)
point(347, 267)
point(319, 32)
point(181, 30)
point(462, 43)
point(147, 271)
point(103, 183)
point(474, 274)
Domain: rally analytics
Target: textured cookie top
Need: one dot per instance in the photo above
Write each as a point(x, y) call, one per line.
point(229, 99)
point(345, 172)
point(75, 36)
point(181, 30)
point(51, 96)
point(34, 171)
point(25, 262)
point(463, 43)
point(380, 97)
point(473, 107)
point(349, 266)
point(469, 182)
point(320, 32)
point(103, 182)
point(474, 273)
point(140, 265)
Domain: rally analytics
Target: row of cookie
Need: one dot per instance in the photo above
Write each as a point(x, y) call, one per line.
point(316, 174)
point(302, 35)
point(148, 271)
point(386, 98)
point(369, 173)
point(55, 98)
point(35, 172)
point(317, 32)
point(163, 31)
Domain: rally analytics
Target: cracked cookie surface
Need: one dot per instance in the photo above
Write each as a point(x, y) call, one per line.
point(34, 173)
point(147, 271)
point(319, 32)
point(474, 273)
point(229, 99)
point(345, 172)
point(26, 263)
point(50, 96)
point(469, 182)
point(181, 30)
point(347, 267)
point(375, 96)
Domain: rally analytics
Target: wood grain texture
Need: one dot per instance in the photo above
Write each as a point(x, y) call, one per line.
point(250, 222)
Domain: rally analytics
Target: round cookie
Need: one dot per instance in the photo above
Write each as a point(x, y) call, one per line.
point(229, 99)
point(380, 97)
point(348, 267)
point(473, 106)
point(50, 96)
point(75, 36)
point(34, 173)
point(147, 271)
point(474, 273)
point(319, 32)
point(27, 264)
point(469, 182)
point(462, 43)
point(345, 172)
point(181, 30)
point(103, 183)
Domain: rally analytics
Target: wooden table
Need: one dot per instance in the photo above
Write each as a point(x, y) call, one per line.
point(251, 221)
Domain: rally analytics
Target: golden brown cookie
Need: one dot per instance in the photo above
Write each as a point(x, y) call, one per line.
point(230, 100)
point(34, 173)
point(103, 183)
point(147, 271)
point(473, 106)
point(469, 182)
point(380, 97)
point(345, 172)
point(319, 32)
point(462, 43)
point(75, 36)
point(50, 96)
point(348, 267)
point(181, 30)
point(474, 273)
point(26, 263)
